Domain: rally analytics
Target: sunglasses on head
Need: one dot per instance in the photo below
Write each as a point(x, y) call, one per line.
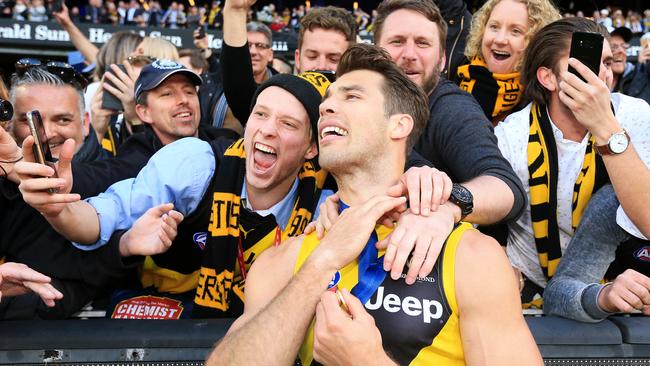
point(141, 60)
point(61, 69)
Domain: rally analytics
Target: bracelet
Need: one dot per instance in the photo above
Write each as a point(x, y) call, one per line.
point(11, 162)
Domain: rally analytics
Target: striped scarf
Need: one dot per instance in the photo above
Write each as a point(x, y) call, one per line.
point(220, 291)
point(543, 179)
point(497, 94)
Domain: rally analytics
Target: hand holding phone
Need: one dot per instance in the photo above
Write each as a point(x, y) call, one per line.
point(587, 48)
point(110, 101)
point(41, 147)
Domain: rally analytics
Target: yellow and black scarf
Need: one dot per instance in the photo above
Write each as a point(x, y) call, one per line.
point(496, 93)
point(543, 178)
point(220, 291)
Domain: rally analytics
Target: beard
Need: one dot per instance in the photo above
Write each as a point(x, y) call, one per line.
point(429, 84)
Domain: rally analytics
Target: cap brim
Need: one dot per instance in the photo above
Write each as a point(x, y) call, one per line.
point(194, 77)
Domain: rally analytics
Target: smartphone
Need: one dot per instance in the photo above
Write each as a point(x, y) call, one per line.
point(41, 147)
point(202, 29)
point(587, 48)
point(109, 101)
point(57, 6)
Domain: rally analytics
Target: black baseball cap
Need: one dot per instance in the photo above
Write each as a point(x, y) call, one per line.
point(158, 71)
point(622, 32)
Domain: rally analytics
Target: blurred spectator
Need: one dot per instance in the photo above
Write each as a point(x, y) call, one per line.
point(155, 14)
point(38, 12)
point(629, 79)
point(173, 16)
point(634, 23)
point(112, 16)
point(618, 20)
point(133, 12)
point(215, 17)
point(266, 14)
point(605, 20)
point(193, 17)
point(646, 20)
point(21, 11)
point(95, 12)
point(121, 11)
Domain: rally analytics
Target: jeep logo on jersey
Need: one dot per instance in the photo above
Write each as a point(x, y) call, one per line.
point(335, 281)
point(643, 254)
point(411, 306)
point(199, 239)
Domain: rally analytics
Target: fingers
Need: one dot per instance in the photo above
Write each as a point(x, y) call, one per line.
point(418, 258)
point(433, 252)
point(27, 170)
point(404, 248)
point(425, 194)
point(28, 153)
point(160, 210)
point(392, 243)
point(377, 206)
point(12, 271)
point(354, 305)
point(412, 186)
point(583, 70)
point(310, 228)
point(47, 292)
point(64, 165)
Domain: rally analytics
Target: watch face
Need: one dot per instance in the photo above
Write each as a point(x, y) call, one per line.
point(462, 194)
point(618, 143)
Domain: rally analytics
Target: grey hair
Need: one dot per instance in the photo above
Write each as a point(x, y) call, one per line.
point(40, 76)
point(260, 28)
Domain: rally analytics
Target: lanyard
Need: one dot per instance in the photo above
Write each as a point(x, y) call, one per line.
point(371, 269)
point(240, 250)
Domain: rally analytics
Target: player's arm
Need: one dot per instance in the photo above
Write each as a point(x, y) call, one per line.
point(493, 328)
point(277, 311)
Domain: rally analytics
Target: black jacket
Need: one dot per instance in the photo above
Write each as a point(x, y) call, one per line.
point(459, 140)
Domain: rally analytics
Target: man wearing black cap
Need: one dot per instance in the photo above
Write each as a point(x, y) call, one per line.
point(629, 79)
point(278, 187)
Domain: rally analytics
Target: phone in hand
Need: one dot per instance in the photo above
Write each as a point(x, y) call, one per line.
point(202, 29)
point(41, 147)
point(110, 101)
point(586, 47)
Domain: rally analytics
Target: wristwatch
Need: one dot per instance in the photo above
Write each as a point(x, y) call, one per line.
point(616, 144)
point(463, 198)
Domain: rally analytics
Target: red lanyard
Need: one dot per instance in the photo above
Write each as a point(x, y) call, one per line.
point(240, 251)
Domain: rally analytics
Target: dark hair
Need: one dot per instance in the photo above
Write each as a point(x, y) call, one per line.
point(545, 50)
point(401, 95)
point(329, 18)
point(197, 60)
point(425, 7)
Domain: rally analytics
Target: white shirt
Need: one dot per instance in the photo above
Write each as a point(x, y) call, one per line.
point(633, 114)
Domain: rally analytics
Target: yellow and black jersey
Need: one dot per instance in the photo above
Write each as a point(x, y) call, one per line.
point(419, 324)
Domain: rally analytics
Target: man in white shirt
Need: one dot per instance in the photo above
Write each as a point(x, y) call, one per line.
point(574, 137)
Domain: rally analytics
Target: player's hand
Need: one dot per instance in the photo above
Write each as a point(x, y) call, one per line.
point(349, 234)
point(342, 338)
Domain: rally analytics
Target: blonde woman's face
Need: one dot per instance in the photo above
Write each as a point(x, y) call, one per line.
point(504, 41)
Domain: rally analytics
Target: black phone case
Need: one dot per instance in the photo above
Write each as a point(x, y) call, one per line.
point(587, 48)
point(109, 101)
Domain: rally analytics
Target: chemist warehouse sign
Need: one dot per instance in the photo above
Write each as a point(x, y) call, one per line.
point(50, 34)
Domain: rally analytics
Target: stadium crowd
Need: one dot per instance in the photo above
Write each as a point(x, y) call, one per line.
point(462, 168)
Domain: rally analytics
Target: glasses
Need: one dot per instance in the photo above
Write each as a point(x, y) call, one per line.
point(61, 69)
point(260, 45)
point(616, 47)
point(141, 60)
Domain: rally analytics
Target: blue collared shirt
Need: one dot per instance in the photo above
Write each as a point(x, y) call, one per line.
point(180, 173)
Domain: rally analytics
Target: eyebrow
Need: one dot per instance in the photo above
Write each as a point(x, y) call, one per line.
point(63, 115)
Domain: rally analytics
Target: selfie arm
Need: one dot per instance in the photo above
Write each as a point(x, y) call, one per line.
point(78, 39)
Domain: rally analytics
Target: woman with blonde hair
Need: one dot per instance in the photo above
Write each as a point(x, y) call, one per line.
point(495, 46)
